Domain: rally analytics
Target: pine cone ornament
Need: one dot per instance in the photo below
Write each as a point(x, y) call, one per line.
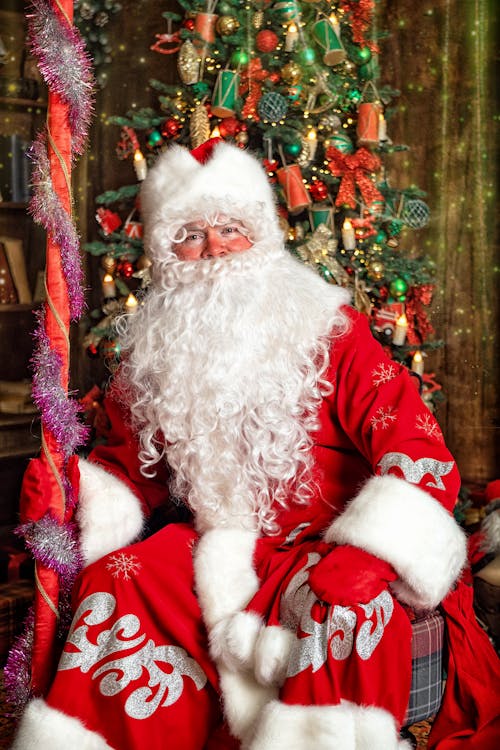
point(199, 126)
point(188, 64)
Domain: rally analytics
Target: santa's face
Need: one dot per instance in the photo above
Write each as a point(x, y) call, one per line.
point(201, 240)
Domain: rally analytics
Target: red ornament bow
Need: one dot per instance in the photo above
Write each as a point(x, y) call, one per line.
point(354, 168)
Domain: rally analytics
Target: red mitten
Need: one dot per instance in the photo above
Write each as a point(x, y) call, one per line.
point(349, 575)
point(40, 486)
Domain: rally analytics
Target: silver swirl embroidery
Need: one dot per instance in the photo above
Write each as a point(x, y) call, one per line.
point(368, 636)
point(336, 633)
point(162, 689)
point(414, 471)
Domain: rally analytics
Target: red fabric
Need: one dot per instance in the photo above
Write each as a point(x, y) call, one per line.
point(470, 713)
point(157, 604)
point(349, 575)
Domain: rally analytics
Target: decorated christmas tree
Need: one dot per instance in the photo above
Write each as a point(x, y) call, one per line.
point(299, 84)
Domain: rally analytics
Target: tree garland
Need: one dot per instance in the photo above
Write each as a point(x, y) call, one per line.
point(48, 527)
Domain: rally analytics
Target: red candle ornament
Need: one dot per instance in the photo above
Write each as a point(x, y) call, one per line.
point(368, 123)
point(296, 195)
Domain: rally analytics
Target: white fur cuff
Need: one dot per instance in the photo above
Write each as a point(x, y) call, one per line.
point(232, 641)
point(224, 573)
point(45, 728)
point(108, 513)
point(407, 527)
point(343, 727)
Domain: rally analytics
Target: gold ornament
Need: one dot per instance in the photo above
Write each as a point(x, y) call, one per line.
point(241, 138)
point(108, 263)
point(227, 25)
point(362, 301)
point(376, 270)
point(188, 64)
point(258, 19)
point(320, 250)
point(291, 73)
point(199, 126)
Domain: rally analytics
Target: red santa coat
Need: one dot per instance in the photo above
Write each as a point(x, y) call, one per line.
point(136, 669)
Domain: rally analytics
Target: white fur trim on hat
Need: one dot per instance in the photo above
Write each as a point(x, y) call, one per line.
point(108, 512)
point(344, 727)
point(45, 728)
point(232, 180)
point(407, 527)
point(224, 573)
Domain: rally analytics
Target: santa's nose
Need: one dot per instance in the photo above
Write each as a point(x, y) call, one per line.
point(214, 244)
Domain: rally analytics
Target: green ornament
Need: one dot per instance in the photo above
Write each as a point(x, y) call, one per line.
point(293, 149)
point(342, 142)
point(154, 138)
point(398, 287)
point(239, 57)
point(360, 55)
point(370, 71)
point(225, 9)
point(416, 213)
point(272, 107)
point(287, 10)
point(380, 237)
point(307, 56)
point(354, 96)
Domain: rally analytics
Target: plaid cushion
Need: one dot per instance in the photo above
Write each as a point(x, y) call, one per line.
point(427, 668)
point(15, 599)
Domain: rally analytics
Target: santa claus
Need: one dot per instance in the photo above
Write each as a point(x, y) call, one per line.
point(318, 486)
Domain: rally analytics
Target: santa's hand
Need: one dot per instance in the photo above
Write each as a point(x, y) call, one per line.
point(348, 575)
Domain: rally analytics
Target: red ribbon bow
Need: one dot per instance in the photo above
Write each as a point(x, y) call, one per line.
point(353, 169)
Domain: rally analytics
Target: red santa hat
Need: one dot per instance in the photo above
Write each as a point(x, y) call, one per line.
point(216, 177)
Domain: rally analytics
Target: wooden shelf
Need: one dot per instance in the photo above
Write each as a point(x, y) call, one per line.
point(25, 103)
point(11, 206)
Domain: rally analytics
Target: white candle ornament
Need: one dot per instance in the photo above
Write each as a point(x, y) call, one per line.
point(399, 336)
point(348, 235)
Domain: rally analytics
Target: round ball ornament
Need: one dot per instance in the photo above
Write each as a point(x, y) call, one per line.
point(360, 55)
point(376, 270)
point(188, 24)
point(330, 122)
point(318, 190)
point(125, 269)
point(380, 237)
point(287, 10)
point(228, 127)
point(395, 227)
point(227, 25)
point(398, 287)
point(342, 142)
point(293, 148)
point(239, 58)
point(171, 128)
point(266, 40)
point(241, 138)
point(108, 263)
point(291, 73)
point(416, 213)
point(224, 9)
point(272, 107)
point(307, 56)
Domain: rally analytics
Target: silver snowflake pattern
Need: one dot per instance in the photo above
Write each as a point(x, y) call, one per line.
point(383, 418)
point(383, 373)
point(428, 424)
point(123, 566)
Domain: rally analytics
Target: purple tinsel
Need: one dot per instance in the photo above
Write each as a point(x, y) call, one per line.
point(65, 64)
point(17, 671)
point(47, 210)
point(55, 545)
point(59, 413)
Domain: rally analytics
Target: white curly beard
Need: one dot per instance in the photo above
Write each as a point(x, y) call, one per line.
point(225, 359)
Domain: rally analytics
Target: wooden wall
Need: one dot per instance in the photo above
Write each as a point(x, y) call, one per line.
point(443, 58)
